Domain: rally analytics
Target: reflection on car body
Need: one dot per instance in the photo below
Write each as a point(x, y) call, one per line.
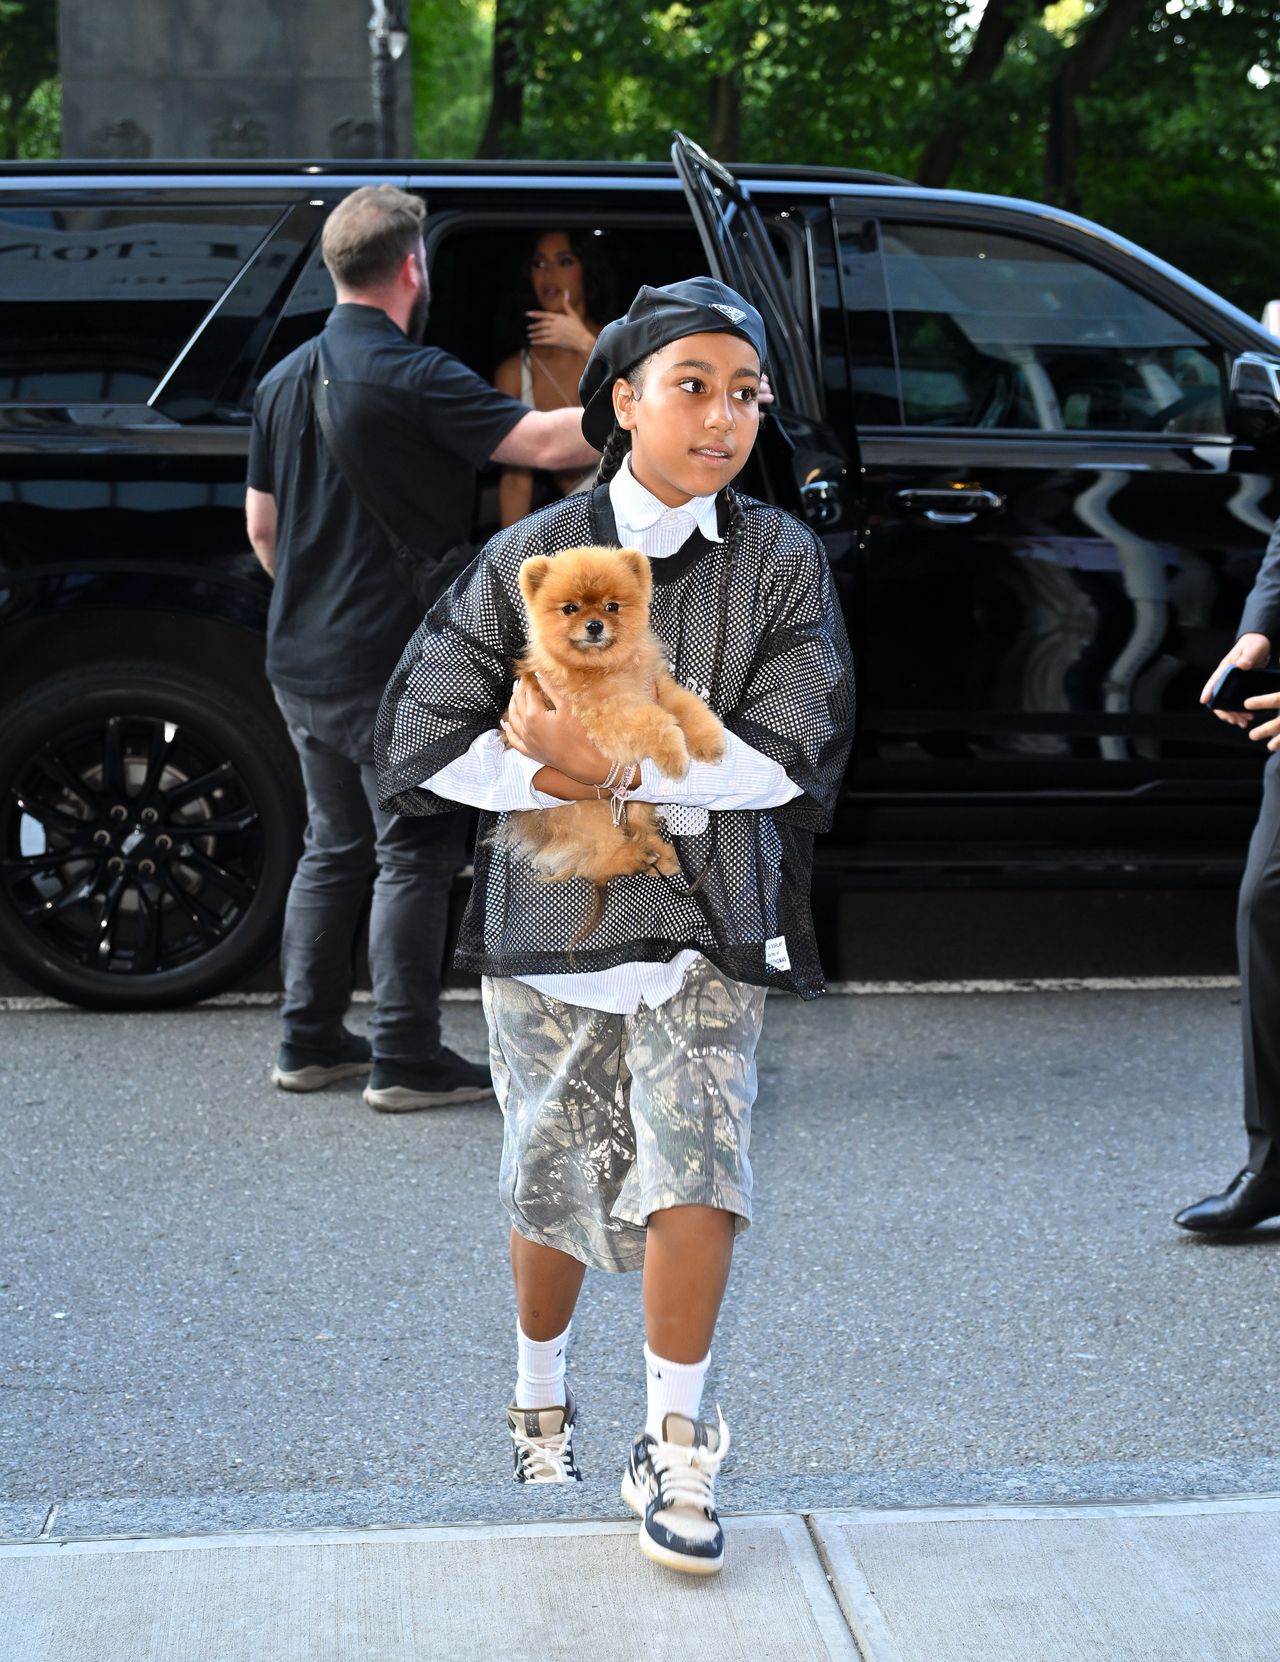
point(1044, 465)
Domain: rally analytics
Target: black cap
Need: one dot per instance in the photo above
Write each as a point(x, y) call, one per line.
point(698, 306)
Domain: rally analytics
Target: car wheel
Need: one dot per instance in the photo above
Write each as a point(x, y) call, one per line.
point(149, 827)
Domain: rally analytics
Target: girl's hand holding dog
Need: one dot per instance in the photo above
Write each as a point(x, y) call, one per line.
point(555, 737)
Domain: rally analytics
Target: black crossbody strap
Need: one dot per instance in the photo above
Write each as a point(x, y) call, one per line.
point(320, 398)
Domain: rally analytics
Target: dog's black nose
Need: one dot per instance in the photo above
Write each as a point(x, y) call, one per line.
point(595, 626)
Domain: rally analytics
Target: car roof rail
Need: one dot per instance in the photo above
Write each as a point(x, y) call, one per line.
point(844, 175)
point(327, 166)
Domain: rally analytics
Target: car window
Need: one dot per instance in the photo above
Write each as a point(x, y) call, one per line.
point(479, 288)
point(312, 300)
point(998, 331)
point(872, 365)
point(99, 301)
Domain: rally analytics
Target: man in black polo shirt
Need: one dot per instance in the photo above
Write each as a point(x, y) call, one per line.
point(411, 425)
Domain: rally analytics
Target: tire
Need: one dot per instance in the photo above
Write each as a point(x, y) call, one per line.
point(150, 823)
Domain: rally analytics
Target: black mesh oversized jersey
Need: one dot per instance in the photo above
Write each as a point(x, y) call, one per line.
point(753, 627)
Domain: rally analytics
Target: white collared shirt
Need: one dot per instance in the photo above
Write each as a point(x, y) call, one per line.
point(492, 776)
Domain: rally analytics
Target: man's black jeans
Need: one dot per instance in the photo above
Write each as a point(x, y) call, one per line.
point(350, 844)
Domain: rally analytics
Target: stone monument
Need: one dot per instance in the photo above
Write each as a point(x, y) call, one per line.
point(231, 79)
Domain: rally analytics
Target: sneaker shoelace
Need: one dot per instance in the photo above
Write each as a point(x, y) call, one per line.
point(687, 1476)
point(545, 1459)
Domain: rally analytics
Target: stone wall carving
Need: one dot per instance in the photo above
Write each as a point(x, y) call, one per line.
point(235, 79)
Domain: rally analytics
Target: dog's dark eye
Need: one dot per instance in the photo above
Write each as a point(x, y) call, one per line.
point(611, 605)
point(569, 608)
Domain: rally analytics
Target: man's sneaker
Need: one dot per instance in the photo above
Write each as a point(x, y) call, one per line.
point(671, 1483)
point(543, 1441)
point(395, 1088)
point(300, 1069)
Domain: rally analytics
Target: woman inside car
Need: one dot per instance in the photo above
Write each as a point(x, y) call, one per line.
point(571, 286)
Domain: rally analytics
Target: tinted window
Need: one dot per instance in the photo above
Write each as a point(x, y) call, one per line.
point(99, 301)
point(310, 303)
point(998, 331)
point(873, 368)
point(480, 293)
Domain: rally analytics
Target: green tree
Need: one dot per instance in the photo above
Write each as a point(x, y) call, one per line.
point(30, 102)
point(450, 50)
point(1160, 120)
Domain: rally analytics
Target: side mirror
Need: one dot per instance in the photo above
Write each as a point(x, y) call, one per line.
point(1271, 317)
point(820, 479)
point(1254, 399)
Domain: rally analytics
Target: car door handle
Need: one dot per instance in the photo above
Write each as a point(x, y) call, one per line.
point(954, 505)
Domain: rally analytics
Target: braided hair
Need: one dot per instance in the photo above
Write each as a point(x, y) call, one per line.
point(736, 514)
point(618, 443)
point(616, 447)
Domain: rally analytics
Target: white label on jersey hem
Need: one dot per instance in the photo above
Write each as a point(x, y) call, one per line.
point(775, 953)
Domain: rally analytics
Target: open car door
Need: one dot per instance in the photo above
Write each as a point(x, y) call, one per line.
point(740, 253)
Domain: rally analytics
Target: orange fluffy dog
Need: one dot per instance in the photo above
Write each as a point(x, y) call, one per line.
point(589, 636)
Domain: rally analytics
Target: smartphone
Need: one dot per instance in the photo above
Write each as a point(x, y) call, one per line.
point(1234, 685)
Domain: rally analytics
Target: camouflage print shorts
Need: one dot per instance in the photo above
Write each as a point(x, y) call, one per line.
point(608, 1118)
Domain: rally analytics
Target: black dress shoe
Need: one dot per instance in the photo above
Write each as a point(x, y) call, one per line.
point(1250, 1198)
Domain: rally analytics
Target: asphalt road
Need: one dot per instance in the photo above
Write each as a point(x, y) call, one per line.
point(225, 1305)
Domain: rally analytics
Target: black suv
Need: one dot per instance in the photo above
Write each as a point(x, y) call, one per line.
point(1044, 463)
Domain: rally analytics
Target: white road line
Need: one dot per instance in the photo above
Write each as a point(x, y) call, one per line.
point(841, 989)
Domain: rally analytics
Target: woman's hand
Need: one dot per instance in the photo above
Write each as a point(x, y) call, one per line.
point(563, 328)
point(555, 737)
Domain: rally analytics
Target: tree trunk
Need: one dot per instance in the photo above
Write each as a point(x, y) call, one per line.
point(1090, 57)
point(506, 103)
point(942, 152)
point(726, 116)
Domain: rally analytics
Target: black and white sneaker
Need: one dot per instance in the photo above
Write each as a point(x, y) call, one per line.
point(671, 1483)
point(299, 1069)
point(448, 1078)
point(543, 1443)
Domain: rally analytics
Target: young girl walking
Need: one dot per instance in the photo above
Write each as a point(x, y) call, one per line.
point(625, 1063)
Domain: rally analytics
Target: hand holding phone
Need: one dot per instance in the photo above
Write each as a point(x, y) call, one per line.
point(1251, 651)
point(1234, 685)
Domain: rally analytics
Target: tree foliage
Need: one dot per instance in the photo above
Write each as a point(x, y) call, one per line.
point(1160, 118)
point(1157, 117)
point(30, 106)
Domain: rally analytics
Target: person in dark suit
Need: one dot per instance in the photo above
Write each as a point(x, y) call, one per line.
point(1253, 1195)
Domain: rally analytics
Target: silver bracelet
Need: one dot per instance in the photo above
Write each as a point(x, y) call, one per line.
point(622, 790)
point(608, 782)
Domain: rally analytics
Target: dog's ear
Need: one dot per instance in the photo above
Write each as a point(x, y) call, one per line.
point(533, 573)
point(637, 564)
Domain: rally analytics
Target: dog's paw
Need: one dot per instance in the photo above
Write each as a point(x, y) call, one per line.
point(706, 747)
point(670, 754)
point(668, 862)
point(658, 855)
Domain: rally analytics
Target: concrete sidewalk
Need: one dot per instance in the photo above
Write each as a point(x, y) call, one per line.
point(1119, 1582)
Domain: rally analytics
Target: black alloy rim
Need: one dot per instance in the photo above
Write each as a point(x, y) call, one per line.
point(130, 846)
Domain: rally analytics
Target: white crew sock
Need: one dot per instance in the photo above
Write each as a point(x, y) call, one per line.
point(674, 1388)
point(540, 1370)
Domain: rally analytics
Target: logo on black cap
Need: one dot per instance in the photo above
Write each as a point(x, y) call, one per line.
point(731, 312)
